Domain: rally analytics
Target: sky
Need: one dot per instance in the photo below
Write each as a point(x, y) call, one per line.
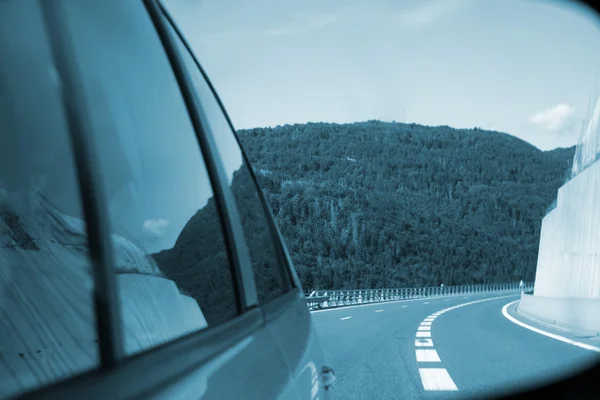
point(525, 67)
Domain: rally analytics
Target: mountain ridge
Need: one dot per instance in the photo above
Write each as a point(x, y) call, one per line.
point(384, 204)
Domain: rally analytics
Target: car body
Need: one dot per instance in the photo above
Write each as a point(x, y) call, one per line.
point(138, 256)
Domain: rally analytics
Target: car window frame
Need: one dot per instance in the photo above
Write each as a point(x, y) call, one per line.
point(175, 359)
point(232, 223)
point(288, 276)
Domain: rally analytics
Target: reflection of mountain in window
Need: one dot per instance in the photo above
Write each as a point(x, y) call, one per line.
point(257, 235)
point(199, 265)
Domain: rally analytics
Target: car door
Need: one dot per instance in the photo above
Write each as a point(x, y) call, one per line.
point(279, 291)
point(174, 296)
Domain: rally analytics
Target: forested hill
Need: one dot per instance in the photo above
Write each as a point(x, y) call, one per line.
point(376, 204)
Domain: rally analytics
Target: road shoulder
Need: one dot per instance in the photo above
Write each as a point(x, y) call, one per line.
point(592, 342)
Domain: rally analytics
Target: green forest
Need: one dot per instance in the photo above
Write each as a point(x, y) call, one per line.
point(389, 205)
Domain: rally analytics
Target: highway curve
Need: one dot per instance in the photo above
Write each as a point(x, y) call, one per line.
point(466, 346)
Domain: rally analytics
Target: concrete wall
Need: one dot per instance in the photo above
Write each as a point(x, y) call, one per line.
point(47, 321)
point(568, 259)
point(577, 314)
point(154, 312)
point(46, 332)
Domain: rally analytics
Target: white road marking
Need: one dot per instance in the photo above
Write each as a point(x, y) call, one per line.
point(541, 332)
point(345, 318)
point(427, 356)
point(436, 379)
point(404, 306)
point(423, 343)
point(378, 310)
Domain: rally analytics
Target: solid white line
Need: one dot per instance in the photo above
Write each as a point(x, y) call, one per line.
point(423, 334)
point(541, 332)
point(436, 379)
point(427, 356)
point(424, 328)
point(345, 318)
point(378, 310)
point(423, 343)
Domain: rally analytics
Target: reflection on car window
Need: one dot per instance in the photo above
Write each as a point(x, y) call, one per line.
point(173, 268)
point(267, 271)
point(47, 323)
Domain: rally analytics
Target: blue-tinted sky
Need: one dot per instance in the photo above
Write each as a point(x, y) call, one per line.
point(525, 67)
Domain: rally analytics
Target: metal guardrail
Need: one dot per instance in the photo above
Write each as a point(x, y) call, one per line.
point(320, 299)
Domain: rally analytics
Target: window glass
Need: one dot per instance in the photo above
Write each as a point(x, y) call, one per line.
point(47, 322)
point(173, 269)
point(268, 272)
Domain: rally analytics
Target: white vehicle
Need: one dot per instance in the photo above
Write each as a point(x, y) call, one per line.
point(138, 257)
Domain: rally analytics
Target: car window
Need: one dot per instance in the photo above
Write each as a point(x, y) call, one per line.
point(268, 271)
point(173, 270)
point(47, 322)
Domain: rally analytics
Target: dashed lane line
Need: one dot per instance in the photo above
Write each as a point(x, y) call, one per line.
point(428, 355)
point(437, 379)
point(423, 342)
point(343, 318)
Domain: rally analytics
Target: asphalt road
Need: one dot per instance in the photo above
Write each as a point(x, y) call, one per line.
point(469, 350)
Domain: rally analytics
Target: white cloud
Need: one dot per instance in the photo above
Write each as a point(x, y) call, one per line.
point(554, 119)
point(429, 11)
point(303, 23)
point(156, 226)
